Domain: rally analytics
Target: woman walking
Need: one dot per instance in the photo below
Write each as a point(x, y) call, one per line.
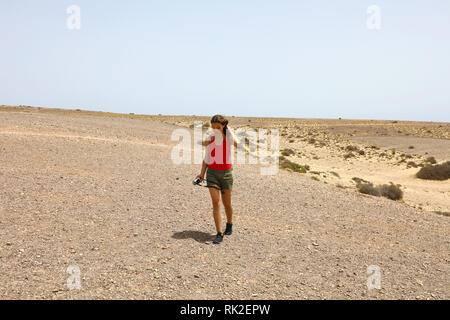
point(219, 172)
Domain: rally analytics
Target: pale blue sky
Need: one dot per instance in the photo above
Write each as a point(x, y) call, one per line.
point(282, 58)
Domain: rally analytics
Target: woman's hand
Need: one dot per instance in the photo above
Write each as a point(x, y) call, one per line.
point(201, 176)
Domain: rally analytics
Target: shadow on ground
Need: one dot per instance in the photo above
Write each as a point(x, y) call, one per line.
point(191, 234)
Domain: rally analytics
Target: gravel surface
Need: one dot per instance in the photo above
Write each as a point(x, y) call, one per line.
point(101, 193)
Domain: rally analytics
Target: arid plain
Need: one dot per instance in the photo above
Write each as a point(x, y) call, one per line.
point(99, 191)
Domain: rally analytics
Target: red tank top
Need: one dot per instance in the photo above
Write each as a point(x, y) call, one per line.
point(223, 152)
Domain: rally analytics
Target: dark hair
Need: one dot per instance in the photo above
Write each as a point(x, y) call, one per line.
point(222, 120)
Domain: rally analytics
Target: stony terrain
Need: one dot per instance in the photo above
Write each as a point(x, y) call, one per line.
point(100, 191)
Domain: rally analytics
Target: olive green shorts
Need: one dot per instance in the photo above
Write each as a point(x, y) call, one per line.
point(221, 178)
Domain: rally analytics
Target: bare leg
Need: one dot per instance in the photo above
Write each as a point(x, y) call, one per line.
point(215, 198)
point(226, 200)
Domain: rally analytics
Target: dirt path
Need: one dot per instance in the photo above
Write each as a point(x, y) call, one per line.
point(102, 194)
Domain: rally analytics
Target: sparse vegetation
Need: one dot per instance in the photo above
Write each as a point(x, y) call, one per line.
point(359, 180)
point(438, 172)
point(349, 155)
point(368, 188)
point(334, 173)
point(442, 213)
point(287, 152)
point(411, 164)
point(431, 160)
point(389, 191)
point(292, 166)
point(351, 148)
point(312, 135)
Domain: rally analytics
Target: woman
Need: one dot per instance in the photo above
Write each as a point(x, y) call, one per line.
point(219, 172)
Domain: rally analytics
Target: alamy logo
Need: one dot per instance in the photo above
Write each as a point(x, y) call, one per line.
point(74, 281)
point(373, 21)
point(374, 280)
point(74, 19)
point(258, 151)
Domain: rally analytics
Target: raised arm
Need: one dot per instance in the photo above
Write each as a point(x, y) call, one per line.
point(237, 142)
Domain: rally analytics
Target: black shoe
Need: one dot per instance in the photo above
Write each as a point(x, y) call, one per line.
point(229, 229)
point(218, 239)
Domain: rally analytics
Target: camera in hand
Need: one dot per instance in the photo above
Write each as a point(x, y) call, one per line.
point(196, 181)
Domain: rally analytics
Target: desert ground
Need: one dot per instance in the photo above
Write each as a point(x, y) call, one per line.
point(99, 191)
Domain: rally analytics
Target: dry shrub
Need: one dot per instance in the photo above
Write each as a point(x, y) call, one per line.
point(351, 148)
point(368, 188)
point(295, 167)
point(390, 191)
point(442, 213)
point(348, 155)
point(287, 152)
point(359, 180)
point(411, 164)
point(439, 172)
point(334, 173)
point(431, 160)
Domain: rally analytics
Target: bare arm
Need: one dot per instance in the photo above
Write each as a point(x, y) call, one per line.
point(202, 173)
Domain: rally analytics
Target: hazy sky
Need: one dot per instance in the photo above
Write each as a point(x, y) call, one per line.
point(236, 57)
